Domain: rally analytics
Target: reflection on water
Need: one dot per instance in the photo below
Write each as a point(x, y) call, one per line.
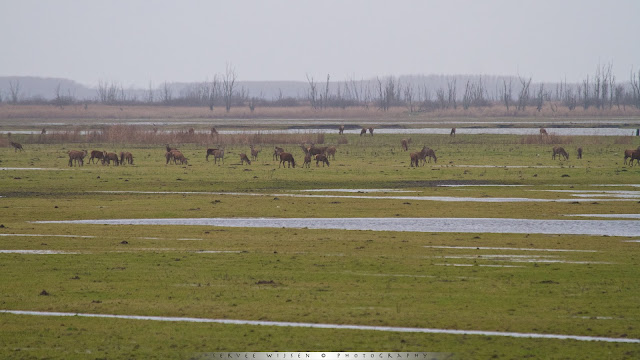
point(464, 225)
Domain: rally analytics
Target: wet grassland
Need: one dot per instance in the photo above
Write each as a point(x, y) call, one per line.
point(577, 285)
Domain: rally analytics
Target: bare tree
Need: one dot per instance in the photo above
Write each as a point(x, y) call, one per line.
point(408, 97)
point(213, 92)
point(451, 92)
point(505, 93)
point(150, 94)
point(166, 93)
point(228, 84)
point(635, 87)
point(523, 97)
point(540, 98)
point(14, 90)
point(313, 92)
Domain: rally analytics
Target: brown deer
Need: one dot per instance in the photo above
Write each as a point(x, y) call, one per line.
point(178, 156)
point(217, 154)
point(371, 131)
point(214, 131)
point(322, 158)
point(313, 150)
point(331, 151)
point(453, 132)
point(579, 153)
point(307, 160)
point(429, 153)
point(254, 153)
point(543, 132)
point(629, 152)
point(16, 146)
point(363, 132)
point(284, 156)
point(276, 152)
point(77, 156)
point(557, 150)
point(170, 148)
point(415, 158)
point(635, 155)
point(108, 157)
point(405, 144)
point(243, 158)
point(126, 156)
point(96, 154)
point(341, 130)
point(191, 131)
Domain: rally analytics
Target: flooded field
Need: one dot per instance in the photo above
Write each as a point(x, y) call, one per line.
point(462, 225)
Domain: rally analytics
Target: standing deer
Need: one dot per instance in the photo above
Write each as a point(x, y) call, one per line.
point(579, 153)
point(405, 144)
point(453, 132)
point(322, 158)
point(331, 151)
point(341, 130)
point(307, 160)
point(96, 154)
point(127, 157)
point(543, 132)
point(276, 152)
point(371, 131)
point(77, 156)
point(363, 132)
point(108, 157)
point(254, 153)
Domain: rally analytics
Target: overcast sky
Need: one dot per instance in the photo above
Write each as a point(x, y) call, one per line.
point(136, 42)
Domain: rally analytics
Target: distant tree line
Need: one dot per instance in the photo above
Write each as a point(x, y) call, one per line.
point(600, 91)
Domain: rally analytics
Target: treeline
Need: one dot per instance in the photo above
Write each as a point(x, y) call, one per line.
point(601, 90)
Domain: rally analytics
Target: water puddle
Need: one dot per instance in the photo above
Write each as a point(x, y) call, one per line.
point(359, 190)
point(449, 225)
point(37, 252)
point(329, 326)
point(521, 259)
point(374, 197)
point(504, 248)
point(35, 168)
point(480, 265)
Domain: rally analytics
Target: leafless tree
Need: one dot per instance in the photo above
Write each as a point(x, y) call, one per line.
point(505, 93)
point(523, 97)
point(451, 92)
point(586, 94)
point(540, 97)
point(408, 97)
point(635, 87)
point(166, 93)
point(313, 92)
point(150, 94)
point(228, 84)
point(14, 90)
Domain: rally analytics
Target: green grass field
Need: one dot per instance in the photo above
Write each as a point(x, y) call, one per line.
point(435, 280)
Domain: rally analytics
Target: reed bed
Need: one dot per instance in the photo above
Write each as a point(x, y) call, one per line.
point(144, 135)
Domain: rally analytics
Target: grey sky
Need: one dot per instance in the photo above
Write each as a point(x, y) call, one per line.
point(134, 42)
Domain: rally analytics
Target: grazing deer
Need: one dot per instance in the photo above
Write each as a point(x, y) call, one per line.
point(405, 144)
point(415, 158)
point(307, 160)
point(178, 156)
point(430, 154)
point(77, 156)
point(217, 154)
point(16, 146)
point(371, 131)
point(96, 154)
point(543, 132)
point(341, 130)
point(276, 152)
point(331, 151)
point(363, 132)
point(284, 156)
point(557, 150)
point(243, 158)
point(323, 158)
point(254, 153)
point(579, 153)
point(108, 157)
point(126, 156)
point(453, 132)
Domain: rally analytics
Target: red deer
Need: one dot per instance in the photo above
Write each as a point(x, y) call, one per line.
point(317, 150)
point(170, 148)
point(430, 154)
point(217, 154)
point(543, 131)
point(322, 158)
point(16, 146)
point(557, 150)
point(405, 144)
point(453, 132)
point(243, 158)
point(363, 132)
point(254, 153)
point(191, 131)
point(214, 131)
point(415, 158)
point(96, 154)
point(331, 151)
point(628, 153)
point(371, 131)
point(307, 160)
point(126, 156)
point(276, 152)
point(43, 132)
point(635, 155)
point(108, 157)
point(284, 156)
point(177, 156)
point(211, 152)
point(579, 153)
point(77, 156)
point(341, 130)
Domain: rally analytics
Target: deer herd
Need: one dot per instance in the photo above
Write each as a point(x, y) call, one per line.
point(286, 159)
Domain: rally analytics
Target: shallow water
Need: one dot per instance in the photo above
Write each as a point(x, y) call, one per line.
point(463, 225)
point(37, 252)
